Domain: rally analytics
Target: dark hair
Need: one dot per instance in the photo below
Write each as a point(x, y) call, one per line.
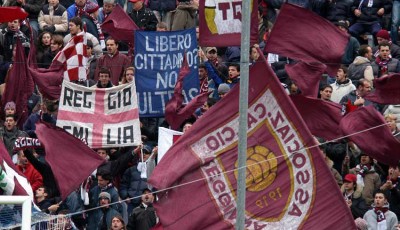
point(361, 82)
point(105, 70)
point(211, 101)
point(363, 50)
point(77, 21)
point(203, 66)
point(111, 38)
point(344, 68)
point(324, 86)
point(383, 44)
point(58, 39)
point(380, 191)
point(11, 115)
point(237, 66)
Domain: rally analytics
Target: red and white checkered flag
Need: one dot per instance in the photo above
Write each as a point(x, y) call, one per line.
point(74, 58)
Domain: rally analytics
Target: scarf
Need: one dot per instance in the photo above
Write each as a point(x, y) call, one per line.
point(348, 196)
point(82, 12)
point(395, 182)
point(383, 65)
point(380, 216)
point(362, 171)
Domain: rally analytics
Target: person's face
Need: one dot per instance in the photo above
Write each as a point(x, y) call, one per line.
point(53, 2)
point(254, 54)
point(380, 40)
point(342, 28)
point(40, 193)
point(14, 25)
point(46, 39)
point(112, 47)
point(108, 7)
point(326, 93)
point(186, 127)
point(137, 5)
point(205, 107)
point(9, 123)
point(233, 72)
point(379, 200)
point(365, 159)
point(202, 73)
point(391, 123)
point(102, 182)
point(10, 111)
point(80, 3)
point(73, 29)
point(147, 197)
point(340, 75)
point(384, 52)
point(116, 224)
point(21, 158)
point(348, 186)
point(102, 153)
point(104, 78)
point(145, 157)
point(364, 89)
point(130, 74)
point(89, 51)
point(54, 46)
point(294, 89)
point(394, 173)
point(211, 55)
point(104, 201)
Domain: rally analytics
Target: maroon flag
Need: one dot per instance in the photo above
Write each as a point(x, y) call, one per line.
point(48, 80)
point(300, 34)
point(306, 76)
point(12, 182)
point(287, 183)
point(175, 112)
point(71, 160)
point(360, 124)
point(221, 23)
point(9, 14)
point(19, 85)
point(119, 25)
point(322, 117)
point(386, 90)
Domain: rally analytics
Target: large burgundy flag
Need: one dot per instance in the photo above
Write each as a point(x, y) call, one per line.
point(300, 34)
point(175, 112)
point(119, 25)
point(12, 182)
point(71, 160)
point(287, 183)
point(322, 117)
point(361, 125)
point(19, 85)
point(10, 13)
point(221, 23)
point(306, 76)
point(386, 90)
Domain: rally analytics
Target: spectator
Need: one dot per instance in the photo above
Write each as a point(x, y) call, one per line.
point(367, 16)
point(352, 47)
point(185, 16)
point(254, 54)
point(101, 218)
point(391, 121)
point(129, 75)
point(32, 175)
point(391, 188)
point(10, 133)
point(383, 36)
point(43, 201)
point(143, 17)
point(395, 111)
point(32, 7)
point(361, 66)
point(92, 60)
point(223, 89)
point(143, 217)
point(43, 48)
point(8, 39)
point(354, 99)
point(75, 26)
point(203, 77)
point(162, 10)
point(56, 44)
point(114, 60)
point(105, 11)
point(162, 26)
point(117, 223)
point(337, 10)
point(342, 86)
point(384, 64)
point(352, 195)
point(379, 217)
point(83, 9)
point(234, 74)
point(53, 18)
point(9, 108)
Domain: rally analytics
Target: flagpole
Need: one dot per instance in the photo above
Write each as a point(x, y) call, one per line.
point(243, 107)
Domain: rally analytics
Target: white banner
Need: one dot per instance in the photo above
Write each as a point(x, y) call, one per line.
point(104, 117)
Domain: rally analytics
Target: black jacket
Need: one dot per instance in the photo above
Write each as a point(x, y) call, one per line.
point(142, 218)
point(144, 19)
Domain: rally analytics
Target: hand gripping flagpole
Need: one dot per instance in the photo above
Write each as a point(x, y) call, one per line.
point(243, 107)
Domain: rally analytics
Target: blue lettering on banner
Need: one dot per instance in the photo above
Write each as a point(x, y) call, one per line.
point(158, 59)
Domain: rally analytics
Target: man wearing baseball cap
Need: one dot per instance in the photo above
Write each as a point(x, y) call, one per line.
point(143, 17)
point(352, 195)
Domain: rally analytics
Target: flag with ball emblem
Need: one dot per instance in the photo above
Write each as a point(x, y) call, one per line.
point(288, 184)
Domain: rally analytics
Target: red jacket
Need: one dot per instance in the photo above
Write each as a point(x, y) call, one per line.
point(32, 175)
point(116, 63)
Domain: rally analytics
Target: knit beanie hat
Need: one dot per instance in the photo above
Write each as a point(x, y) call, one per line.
point(10, 105)
point(383, 34)
point(91, 7)
point(223, 88)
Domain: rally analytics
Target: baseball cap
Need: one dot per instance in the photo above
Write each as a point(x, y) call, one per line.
point(350, 178)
